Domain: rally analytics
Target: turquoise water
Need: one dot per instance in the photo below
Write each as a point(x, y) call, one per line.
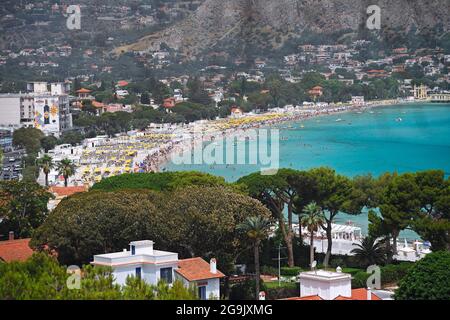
point(373, 141)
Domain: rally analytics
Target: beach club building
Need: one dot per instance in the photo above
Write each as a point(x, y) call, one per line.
point(151, 265)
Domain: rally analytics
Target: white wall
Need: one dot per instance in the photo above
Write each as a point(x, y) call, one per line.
point(10, 111)
point(212, 286)
point(121, 273)
point(149, 273)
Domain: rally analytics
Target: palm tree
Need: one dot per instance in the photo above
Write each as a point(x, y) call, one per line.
point(257, 229)
point(46, 164)
point(370, 251)
point(312, 218)
point(66, 168)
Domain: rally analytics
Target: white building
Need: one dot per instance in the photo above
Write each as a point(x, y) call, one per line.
point(41, 108)
point(358, 100)
point(327, 285)
point(143, 261)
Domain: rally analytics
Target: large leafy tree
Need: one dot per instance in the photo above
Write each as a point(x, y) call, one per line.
point(97, 222)
point(433, 221)
point(277, 193)
point(203, 222)
point(257, 229)
point(428, 279)
point(399, 204)
point(197, 92)
point(28, 138)
point(160, 181)
point(335, 193)
point(193, 221)
point(23, 207)
point(48, 143)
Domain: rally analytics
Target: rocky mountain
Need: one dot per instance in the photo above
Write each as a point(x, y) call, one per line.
point(269, 23)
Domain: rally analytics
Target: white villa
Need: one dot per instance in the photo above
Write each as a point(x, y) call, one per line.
point(151, 265)
point(328, 285)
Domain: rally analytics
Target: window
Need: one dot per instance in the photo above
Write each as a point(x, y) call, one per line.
point(166, 275)
point(202, 292)
point(133, 250)
point(138, 273)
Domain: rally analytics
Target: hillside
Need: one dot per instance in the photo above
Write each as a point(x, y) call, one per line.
point(267, 23)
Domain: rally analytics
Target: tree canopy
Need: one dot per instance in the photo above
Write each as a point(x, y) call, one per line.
point(161, 181)
point(428, 279)
point(23, 207)
point(193, 221)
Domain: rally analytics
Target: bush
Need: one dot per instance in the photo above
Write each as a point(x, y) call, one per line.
point(337, 262)
point(290, 272)
point(395, 272)
point(268, 270)
point(427, 279)
point(245, 290)
point(359, 280)
point(287, 290)
point(162, 181)
point(352, 271)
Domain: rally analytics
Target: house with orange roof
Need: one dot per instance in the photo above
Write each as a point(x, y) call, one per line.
point(144, 262)
point(236, 113)
point(169, 103)
point(60, 193)
point(15, 249)
point(203, 275)
point(329, 285)
point(84, 93)
point(122, 83)
point(316, 91)
point(99, 106)
point(371, 74)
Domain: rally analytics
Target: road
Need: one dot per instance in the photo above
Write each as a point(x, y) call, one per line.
point(11, 170)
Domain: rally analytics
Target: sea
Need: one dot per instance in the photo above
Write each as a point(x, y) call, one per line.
point(400, 138)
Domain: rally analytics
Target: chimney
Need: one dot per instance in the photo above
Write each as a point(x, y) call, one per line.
point(213, 265)
point(369, 294)
point(11, 235)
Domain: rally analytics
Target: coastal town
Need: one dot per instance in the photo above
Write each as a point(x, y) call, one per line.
point(99, 136)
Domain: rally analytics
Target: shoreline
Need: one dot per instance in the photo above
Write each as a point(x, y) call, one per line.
point(298, 113)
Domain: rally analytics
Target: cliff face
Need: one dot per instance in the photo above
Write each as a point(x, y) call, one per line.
point(258, 21)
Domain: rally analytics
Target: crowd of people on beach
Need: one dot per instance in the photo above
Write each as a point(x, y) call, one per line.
point(205, 131)
point(154, 148)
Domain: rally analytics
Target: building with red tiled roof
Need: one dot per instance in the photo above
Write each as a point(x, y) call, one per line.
point(357, 294)
point(169, 103)
point(84, 93)
point(151, 265)
point(63, 192)
point(67, 191)
point(203, 275)
point(122, 83)
point(15, 249)
point(327, 285)
point(317, 91)
point(196, 269)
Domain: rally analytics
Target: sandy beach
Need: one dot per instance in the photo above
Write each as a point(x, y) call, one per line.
point(214, 129)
